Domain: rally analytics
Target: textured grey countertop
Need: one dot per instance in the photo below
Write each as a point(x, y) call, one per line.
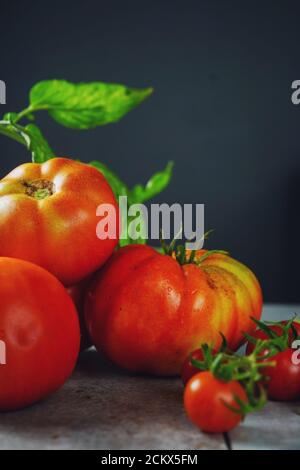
point(101, 407)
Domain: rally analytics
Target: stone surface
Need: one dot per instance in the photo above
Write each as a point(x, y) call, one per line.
point(277, 426)
point(101, 407)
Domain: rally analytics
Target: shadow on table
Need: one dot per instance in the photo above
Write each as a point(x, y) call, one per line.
point(92, 363)
point(103, 399)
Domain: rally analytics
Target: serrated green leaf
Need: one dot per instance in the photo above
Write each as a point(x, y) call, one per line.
point(85, 105)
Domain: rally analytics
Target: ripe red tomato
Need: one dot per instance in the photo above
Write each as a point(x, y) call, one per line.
point(78, 293)
point(204, 401)
point(188, 369)
point(48, 216)
point(284, 378)
point(260, 334)
point(147, 312)
point(39, 333)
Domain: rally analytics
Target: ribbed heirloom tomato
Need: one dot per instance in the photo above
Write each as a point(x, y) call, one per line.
point(48, 216)
point(147, 312)
point(39, 333)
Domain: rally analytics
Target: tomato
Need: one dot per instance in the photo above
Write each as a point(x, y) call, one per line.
point(260, 334)
point(39, 334)
point(188, 370)
point(284, 379)
point(205, 399)
point(147, 312)
point(48, 216)
point(77, 293)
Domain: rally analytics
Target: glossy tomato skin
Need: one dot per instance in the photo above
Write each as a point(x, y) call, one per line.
point(48, 216)
point(284, 378)
point(148, 313)
point(40, 330)
point(78, 293)
point(204, 398)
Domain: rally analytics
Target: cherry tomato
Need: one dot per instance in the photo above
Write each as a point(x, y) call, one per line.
point(39, 334)
point(188, 370)
point(205, 399)
point(284, 378)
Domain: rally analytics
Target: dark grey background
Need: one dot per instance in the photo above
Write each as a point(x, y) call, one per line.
point(222, 74)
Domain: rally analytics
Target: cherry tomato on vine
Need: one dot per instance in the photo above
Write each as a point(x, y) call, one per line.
point(283, 382)
point(188, 369)
point(277, 329)
point(205, 400)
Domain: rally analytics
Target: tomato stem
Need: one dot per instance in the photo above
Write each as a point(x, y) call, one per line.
point(185, 256)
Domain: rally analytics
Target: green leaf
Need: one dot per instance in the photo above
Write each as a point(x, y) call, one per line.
point(11, 131)
point(156, 184)
point(31, 137)
point(120, 189)
point(11, 117)
point(85, 105)
point(37, 144)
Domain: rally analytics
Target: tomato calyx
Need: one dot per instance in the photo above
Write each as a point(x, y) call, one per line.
point(192, 259)
point(226, 366)
point(209, 354)
point(282, 381)
point(40, 188)
point(280, 335)
point(185, 256)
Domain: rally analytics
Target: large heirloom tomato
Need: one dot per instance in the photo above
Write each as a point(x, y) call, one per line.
point(39, 334)
point(147, 312)
point(48, 216)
